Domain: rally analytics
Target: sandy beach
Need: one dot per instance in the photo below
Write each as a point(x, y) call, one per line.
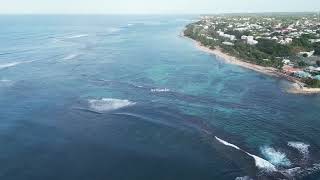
point(296, 86)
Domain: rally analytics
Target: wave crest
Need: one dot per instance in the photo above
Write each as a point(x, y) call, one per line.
point(259, 162)
point(227, 144)
point(109, 104)
point(301, 147)
point(262, 163)
point(243, 178)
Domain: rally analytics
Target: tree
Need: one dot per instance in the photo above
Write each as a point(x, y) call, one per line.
point(302, 64)
point(273, 48)
point(316, 47)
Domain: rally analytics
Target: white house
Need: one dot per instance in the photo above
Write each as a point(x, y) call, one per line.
point(222, 34)
point(286, 61)
point(249, 39)
point(307, 53)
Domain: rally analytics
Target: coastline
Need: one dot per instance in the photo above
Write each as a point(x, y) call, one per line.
point(296, 86)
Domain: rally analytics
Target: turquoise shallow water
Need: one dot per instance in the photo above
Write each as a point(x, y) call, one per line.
point(124, 97)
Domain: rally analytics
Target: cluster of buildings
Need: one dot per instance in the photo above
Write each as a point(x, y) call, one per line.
point(308, 72)
point(278, 28)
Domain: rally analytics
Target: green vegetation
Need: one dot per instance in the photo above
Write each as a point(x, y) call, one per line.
point(265, 54)
point(273, 48)
point(316, 47)
point(313, 83)
point(265, 40)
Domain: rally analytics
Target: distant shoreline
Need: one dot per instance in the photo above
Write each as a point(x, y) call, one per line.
point(296, 86)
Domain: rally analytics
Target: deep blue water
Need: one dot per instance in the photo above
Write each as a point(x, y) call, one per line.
point(125, 98)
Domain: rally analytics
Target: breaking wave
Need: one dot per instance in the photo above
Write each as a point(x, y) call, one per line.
point(227, 144)
point(275, 157)
point(262, 163)
point(278, 158)
point(301, 147)
point(109, 104)
point(299, 172)
point(243, 178)
point(259, 162)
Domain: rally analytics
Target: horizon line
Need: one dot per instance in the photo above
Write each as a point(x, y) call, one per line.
point(192, 13)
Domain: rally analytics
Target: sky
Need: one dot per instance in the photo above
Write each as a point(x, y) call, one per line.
point(154, 6)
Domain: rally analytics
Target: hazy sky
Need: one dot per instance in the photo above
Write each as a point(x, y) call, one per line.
point(155, 6)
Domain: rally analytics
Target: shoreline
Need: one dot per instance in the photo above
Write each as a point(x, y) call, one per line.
point(296, 86)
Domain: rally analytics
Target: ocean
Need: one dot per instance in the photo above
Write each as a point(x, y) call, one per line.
point(124, 97)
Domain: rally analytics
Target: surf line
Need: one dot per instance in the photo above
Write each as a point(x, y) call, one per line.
point(260, 162)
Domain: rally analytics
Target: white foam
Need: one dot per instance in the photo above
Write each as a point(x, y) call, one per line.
point(7, 65)
point(109, 104)
point(259, 162)
point(275, 157)
point(262, 163)
point(12, 64)
point(77, 36)
point(70, 56)
point(301, 147)
point(243, 178)
point(226, 143)
point(160, 90)
point(300, 173)
point(291, 172)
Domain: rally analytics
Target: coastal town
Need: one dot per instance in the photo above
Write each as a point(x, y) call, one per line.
point(287, 43)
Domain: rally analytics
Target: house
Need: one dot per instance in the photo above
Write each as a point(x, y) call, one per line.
point(317, 77)
point(312, 69)
point(286, 61)
point(308, 54)
point(250, 40)
point(244, 37)
point(286, 41)
point(302, 74)
point(314, 40)
point(222, 34)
